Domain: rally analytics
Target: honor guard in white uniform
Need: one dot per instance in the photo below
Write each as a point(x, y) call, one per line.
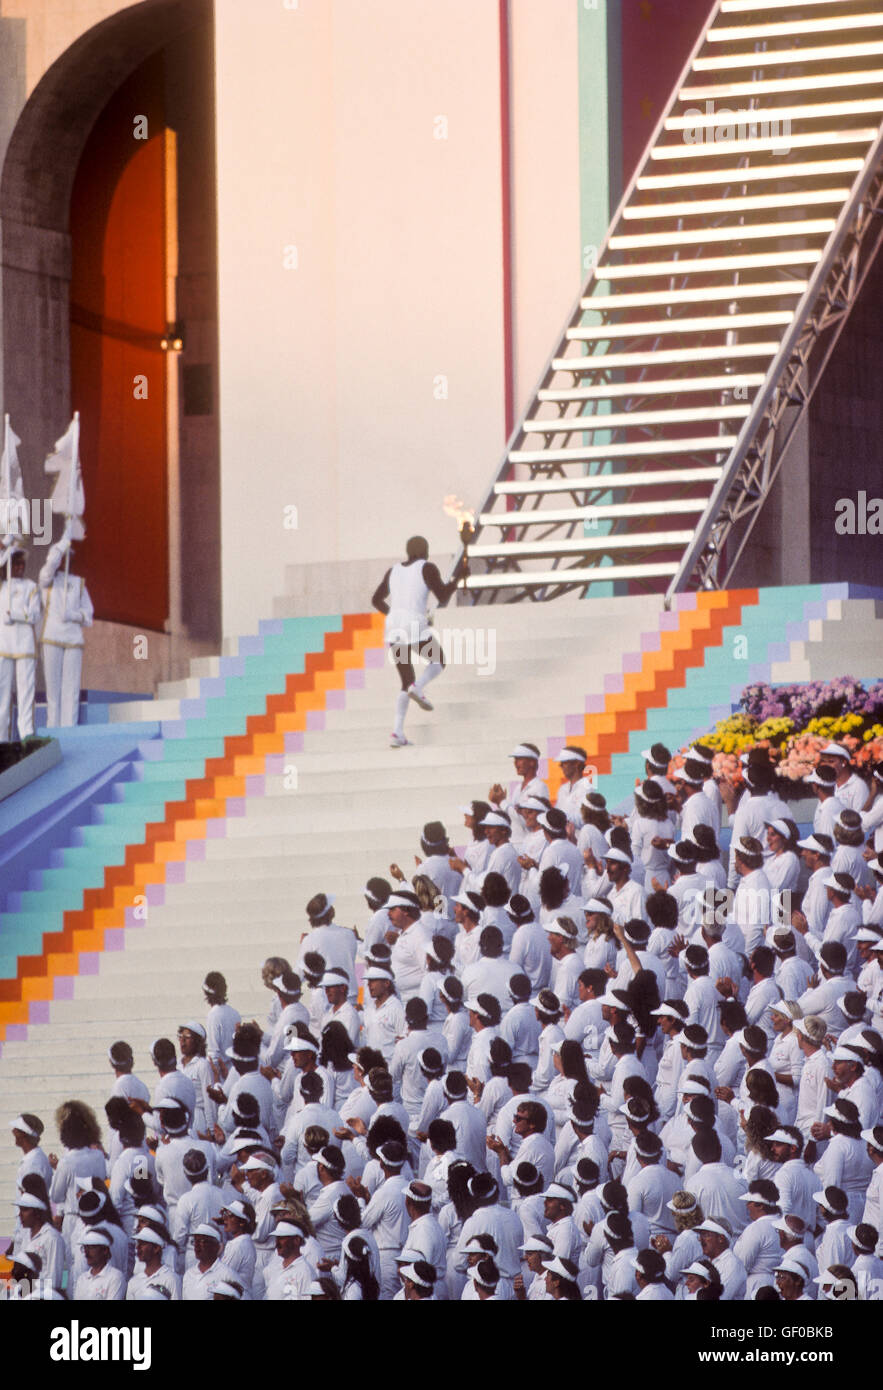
point(67, 610)
point(20, 609)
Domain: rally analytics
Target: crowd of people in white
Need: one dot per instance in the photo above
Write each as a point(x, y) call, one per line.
point(580, 1058)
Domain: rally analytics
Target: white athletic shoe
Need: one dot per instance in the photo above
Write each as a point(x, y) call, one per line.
point(419, 699)
point(399, 741)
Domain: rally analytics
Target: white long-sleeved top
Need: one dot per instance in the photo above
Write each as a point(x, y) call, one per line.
point(20, 609)
point(824, 1001)
point(504, 860)
point(717, 1190)
point(797, 1183)
point(813, 1094)
point(759, 1251)
point(384, 1025)
point(853, 793)
point(107, 1285)
point(66, 602)
point(521, 1029)
point(649, 1191)
point(845, 1164)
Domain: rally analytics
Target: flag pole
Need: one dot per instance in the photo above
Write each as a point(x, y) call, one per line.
point(72, 487)
point(7, 483)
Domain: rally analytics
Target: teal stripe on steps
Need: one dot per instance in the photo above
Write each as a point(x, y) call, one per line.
point(131, 805)
point(762, 625)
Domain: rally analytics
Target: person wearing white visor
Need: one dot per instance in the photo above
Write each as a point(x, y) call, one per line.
point(650, 1277)
point(38, 1234)
point(334, 943)
point(792, 1281)
point(850, 789)
point(809, 920)
point(572, 760)
point(872, 817)
point(150, 1271)
point(101, 1282)
point(503, 858)
point(526, 758)
point(287, 1276)
point(626, 896)
point(822, 782)
point(27, 1131)
point(873, 1212)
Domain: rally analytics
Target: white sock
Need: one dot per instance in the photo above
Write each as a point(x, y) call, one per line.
point(402, 703)
point(434, 669)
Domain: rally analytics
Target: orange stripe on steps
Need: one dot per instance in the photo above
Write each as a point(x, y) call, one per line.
point(681, 648)
point(206, 798)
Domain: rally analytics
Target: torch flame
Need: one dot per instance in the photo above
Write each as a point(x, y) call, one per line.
point(455, 507)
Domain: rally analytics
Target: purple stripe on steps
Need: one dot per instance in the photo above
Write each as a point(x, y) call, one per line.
point(17, 1032)
point(64, 987)
point(255, 785)
point(294, 743)
point(115, 939)
point(231, 666)
point(355, 679)
point(375, 657)
point(613, 685)
point(88, 963)
point(574, 726)
point(335, 699)
point(195, 851)
point(650, 641)
point(632, 662)
point(236, 804)
point(38, 1011)
point(155, 893)
point(669, 622)
point(175, 872)
point(216, 828)
point(594, 704)
point(193, 709)
point(275, 764)
point(315, 721)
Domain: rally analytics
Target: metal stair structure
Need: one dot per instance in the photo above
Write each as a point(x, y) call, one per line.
point(663, 415)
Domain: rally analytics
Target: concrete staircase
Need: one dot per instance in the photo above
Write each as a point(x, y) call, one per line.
point(327, 810)
point(271, 779)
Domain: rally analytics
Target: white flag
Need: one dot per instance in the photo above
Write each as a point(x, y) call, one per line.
point(14, 516)
point(68, 498)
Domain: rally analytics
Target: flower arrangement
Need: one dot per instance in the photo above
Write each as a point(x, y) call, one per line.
point(794, 723)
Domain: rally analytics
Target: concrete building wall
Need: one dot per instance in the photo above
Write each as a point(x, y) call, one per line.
point(361, 377)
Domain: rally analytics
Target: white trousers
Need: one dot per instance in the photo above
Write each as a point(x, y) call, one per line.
point(23, 671)
point(61, 669)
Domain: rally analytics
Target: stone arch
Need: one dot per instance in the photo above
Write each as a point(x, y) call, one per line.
point(39, 170)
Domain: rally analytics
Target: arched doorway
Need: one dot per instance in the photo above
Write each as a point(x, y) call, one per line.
point(108, 238)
